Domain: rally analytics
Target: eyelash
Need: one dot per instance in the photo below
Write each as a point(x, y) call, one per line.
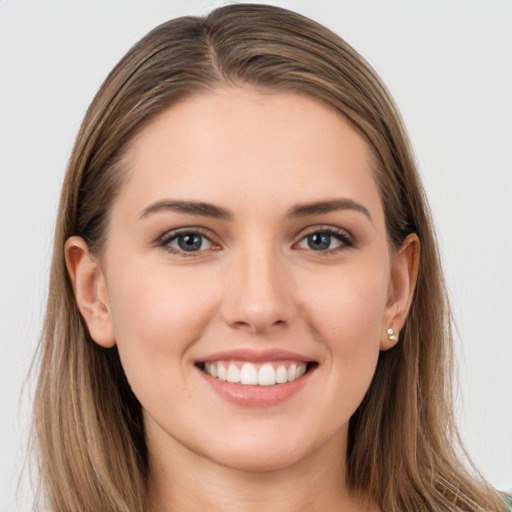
point(165, 241)
point(342, 236)
point(339, 234)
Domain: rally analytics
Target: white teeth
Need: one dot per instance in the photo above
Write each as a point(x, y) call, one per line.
point(222, 374)
point(266, 375)
point(233, 373)
point(248, 374)
point(292, 372)
point(281, 375)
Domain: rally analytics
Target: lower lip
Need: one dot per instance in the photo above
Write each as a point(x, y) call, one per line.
point(256, 396)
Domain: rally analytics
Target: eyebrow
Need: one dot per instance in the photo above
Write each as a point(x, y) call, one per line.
point(187, 207)
point(216, 212)
point(316, 208)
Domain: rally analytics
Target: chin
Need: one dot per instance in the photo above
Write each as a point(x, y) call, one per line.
point(266, 451)
point(258, 460)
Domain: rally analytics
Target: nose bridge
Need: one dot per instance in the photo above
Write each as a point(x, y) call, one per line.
point(258, 296)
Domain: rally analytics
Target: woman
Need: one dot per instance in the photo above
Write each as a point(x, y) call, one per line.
point(246, 304)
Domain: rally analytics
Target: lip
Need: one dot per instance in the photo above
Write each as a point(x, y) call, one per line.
point(255, 356)
point(256, 396)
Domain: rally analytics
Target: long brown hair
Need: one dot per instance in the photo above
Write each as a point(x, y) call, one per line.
point(403, 444)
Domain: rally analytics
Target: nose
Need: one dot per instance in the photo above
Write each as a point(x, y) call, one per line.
point(258, 296)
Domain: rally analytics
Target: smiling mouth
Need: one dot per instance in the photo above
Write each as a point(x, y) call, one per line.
point(261, 374)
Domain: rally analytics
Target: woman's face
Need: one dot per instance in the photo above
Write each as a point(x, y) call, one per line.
point(248, 242)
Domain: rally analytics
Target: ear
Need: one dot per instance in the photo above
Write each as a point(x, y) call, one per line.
point(90, 290)
point(404, 273)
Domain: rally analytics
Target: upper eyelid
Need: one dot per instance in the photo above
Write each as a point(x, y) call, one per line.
point(324, 228)
point(194, 230)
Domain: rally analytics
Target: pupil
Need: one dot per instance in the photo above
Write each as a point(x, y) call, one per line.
point(319, 241)
point(189, 242)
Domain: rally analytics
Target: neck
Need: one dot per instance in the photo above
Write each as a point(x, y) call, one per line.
point(189, 482)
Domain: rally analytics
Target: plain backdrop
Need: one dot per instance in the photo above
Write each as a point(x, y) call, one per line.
point(448, 66)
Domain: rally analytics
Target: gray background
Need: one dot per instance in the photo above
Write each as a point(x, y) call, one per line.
point(448, 65)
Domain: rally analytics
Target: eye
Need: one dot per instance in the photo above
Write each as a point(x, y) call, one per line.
point(185, 242)
point(325, 239)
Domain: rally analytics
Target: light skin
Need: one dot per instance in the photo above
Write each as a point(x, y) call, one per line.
point(289, 253)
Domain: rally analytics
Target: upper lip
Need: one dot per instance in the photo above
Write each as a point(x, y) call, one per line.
point(255, 356)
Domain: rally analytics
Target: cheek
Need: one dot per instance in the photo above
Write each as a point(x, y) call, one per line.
point(346, 311)
point(349, 300)
point(348, 322)
point(155, 299)
point(157, 315)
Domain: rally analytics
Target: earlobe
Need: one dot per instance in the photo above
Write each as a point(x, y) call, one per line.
point(90, 290)
point(404, 274)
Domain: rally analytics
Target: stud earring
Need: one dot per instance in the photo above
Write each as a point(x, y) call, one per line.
point(391, 335)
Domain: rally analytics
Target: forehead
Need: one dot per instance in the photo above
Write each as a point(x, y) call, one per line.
point(243, 147)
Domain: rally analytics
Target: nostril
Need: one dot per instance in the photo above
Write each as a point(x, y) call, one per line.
point(240, 323)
